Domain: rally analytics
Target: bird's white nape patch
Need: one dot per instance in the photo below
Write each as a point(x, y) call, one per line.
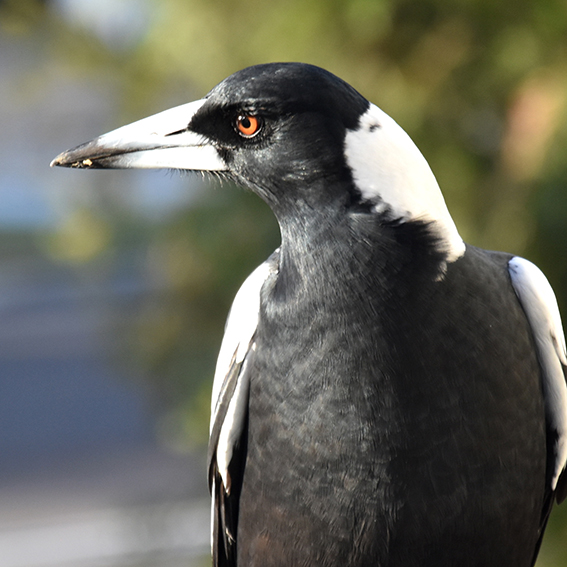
point(390, 172)
point(540, 305)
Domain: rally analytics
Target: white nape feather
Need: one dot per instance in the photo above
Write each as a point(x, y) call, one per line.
point(391, 172)
point(540, 305)
point(237, 343)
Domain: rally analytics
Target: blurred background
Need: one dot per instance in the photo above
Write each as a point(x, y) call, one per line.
point(114, 286)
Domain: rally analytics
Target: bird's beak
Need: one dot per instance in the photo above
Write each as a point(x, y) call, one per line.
point(159, 141)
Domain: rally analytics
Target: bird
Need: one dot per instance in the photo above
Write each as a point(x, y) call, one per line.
point(385, 394)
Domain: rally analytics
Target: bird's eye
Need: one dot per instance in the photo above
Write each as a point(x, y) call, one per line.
point(248, 126)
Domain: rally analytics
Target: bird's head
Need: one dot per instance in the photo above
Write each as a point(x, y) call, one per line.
point(297, 135)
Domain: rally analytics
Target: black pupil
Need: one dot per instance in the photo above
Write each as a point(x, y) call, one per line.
point(245, 121)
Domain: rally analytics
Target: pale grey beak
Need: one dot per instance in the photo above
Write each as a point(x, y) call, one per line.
point(159, 141)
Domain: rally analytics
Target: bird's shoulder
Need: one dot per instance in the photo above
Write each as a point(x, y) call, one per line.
point(539, 303)
point(229, 411)
point(237, 342)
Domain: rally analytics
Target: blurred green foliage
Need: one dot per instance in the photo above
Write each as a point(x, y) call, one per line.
point(480, 85)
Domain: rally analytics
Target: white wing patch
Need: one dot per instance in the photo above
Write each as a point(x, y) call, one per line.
point(391, 172)
point(540, 305)
point(233, 425)
point(237, 342)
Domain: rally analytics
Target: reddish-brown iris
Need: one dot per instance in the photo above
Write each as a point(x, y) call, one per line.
point(248, 125)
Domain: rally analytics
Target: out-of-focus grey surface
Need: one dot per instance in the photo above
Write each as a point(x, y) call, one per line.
point(83, 480)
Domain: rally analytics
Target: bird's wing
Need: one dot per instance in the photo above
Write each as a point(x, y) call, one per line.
point(229, 410)
point(540, 305)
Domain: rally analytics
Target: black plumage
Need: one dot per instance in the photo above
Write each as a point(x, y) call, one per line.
point(385, 395)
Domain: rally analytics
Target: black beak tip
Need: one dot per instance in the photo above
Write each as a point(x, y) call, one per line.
point(68, 159)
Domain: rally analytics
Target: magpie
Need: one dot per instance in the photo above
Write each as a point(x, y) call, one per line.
point(385, 394)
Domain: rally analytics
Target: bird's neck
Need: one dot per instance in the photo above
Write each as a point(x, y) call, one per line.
point(355, 254)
